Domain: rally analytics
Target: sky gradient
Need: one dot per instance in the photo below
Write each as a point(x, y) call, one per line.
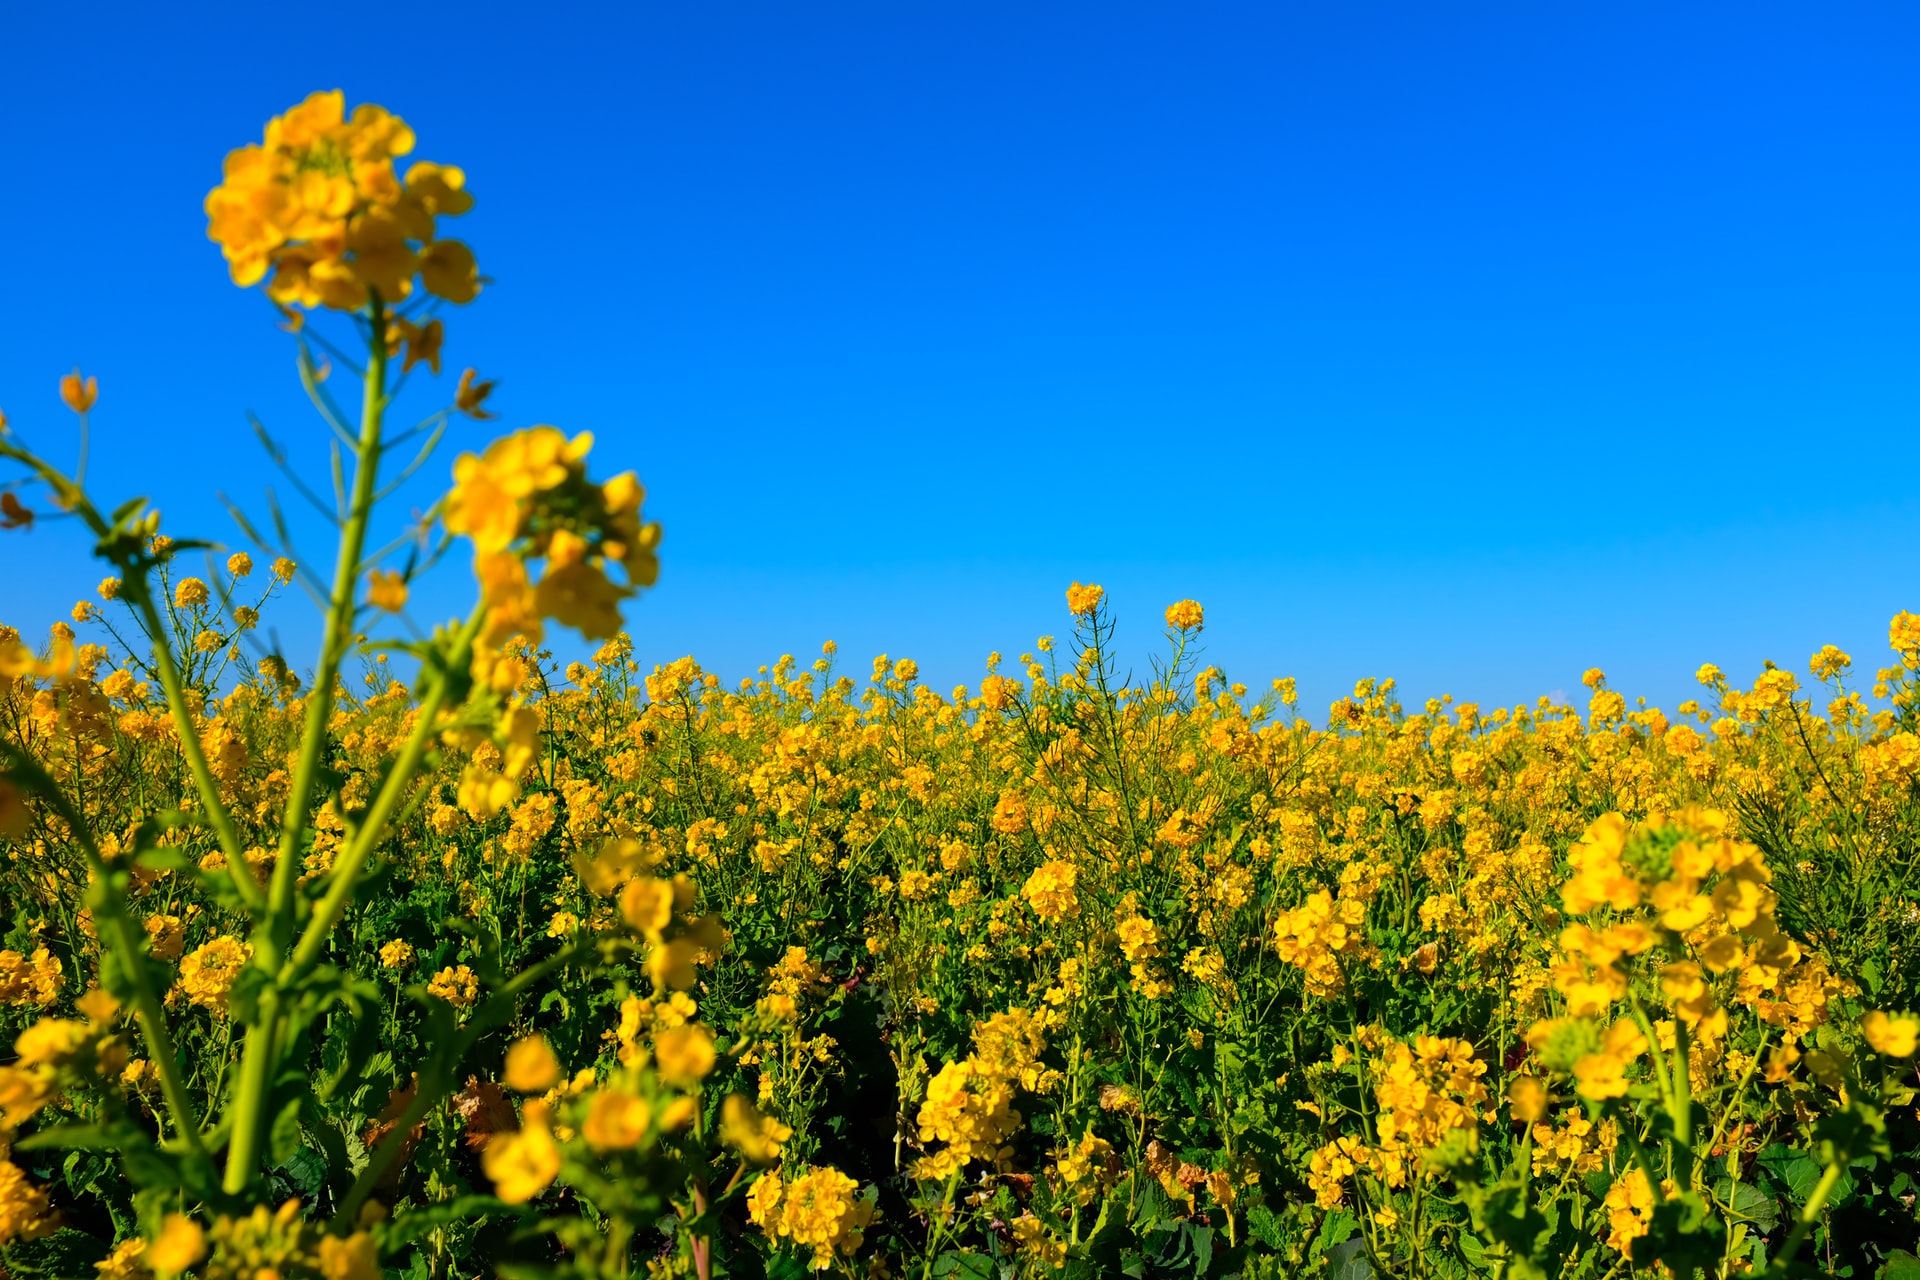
point(1473, 348)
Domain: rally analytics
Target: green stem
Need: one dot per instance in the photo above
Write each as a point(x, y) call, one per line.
point(153, 1030)
point(263, 1043)
point(203, 780)
point(338, 635)
point(346, 871)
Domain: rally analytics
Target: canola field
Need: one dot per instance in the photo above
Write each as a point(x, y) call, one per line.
point(445, 959)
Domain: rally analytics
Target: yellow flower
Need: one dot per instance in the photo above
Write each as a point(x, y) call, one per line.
point(180, 1244)
point(354, 1257)
point(166, 936)
point(1185, 615)
point(24, 1211)
point(22, 1094)
point(455, 984)
point(524, 1163)
point(386, 590)
point(1049, 890)
point(317, 203)
point(647, 904)
point(448, 270)
point(579, 596)
point(753, 1135)
point(1895, 1035)
point(79, 394)
point(481, 507)
point(684, 1054)
point(1903, 633)
point(126, 1262)
point(190, 593)
point(396, 955)
point(1829, 663)
point(1528, 1098)
point(817, 1210)
point(531, 1066)
point(208, 973)
point(616, 1120)
point(1083, 601)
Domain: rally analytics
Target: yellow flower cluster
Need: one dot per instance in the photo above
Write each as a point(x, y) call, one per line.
point(208, 973)
point(819, 1209)
point(457, 985)
point(528, 498)
point(1431, 1101)
point(1083, 601)
point(265, 1242)
point(1683, 886)
point(1318, 934)
point(30, 980)
point(319, 204)
point(1185, 615)
point(1049, 890)
point(969, 1103)
point(1894, 1035)
point(1630, 1203)
point(24, 1209)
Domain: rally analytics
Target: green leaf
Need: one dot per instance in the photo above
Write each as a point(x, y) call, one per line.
point(284, 1138)
point(1348, 1261)
point(1900, 1265)
point(958, 1264)
point(63, 1255)
point(1749, 1203)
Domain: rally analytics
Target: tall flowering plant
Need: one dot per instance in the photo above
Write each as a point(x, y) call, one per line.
point(322, 216)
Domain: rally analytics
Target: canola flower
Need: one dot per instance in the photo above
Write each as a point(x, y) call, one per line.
point(1036, 929)
point(1048, 972)
point(320, 204)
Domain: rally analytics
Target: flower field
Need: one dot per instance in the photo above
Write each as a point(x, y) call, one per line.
point(446, 959)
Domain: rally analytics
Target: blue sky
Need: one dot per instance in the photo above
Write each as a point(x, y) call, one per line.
point(1471, 344)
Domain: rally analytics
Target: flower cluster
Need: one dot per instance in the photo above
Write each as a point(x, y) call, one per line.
point(1682, 892)
point(209, 972)
point(818, 1209)
point(528, 498)
point(1431, 1102)
point(969, 1103)
point(319, 204)
point(1318, 934)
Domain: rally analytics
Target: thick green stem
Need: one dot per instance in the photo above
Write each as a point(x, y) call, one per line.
point(263, 1042)
point(338, 636)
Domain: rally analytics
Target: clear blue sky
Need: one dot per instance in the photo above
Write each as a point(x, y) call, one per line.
point(1472, 344)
